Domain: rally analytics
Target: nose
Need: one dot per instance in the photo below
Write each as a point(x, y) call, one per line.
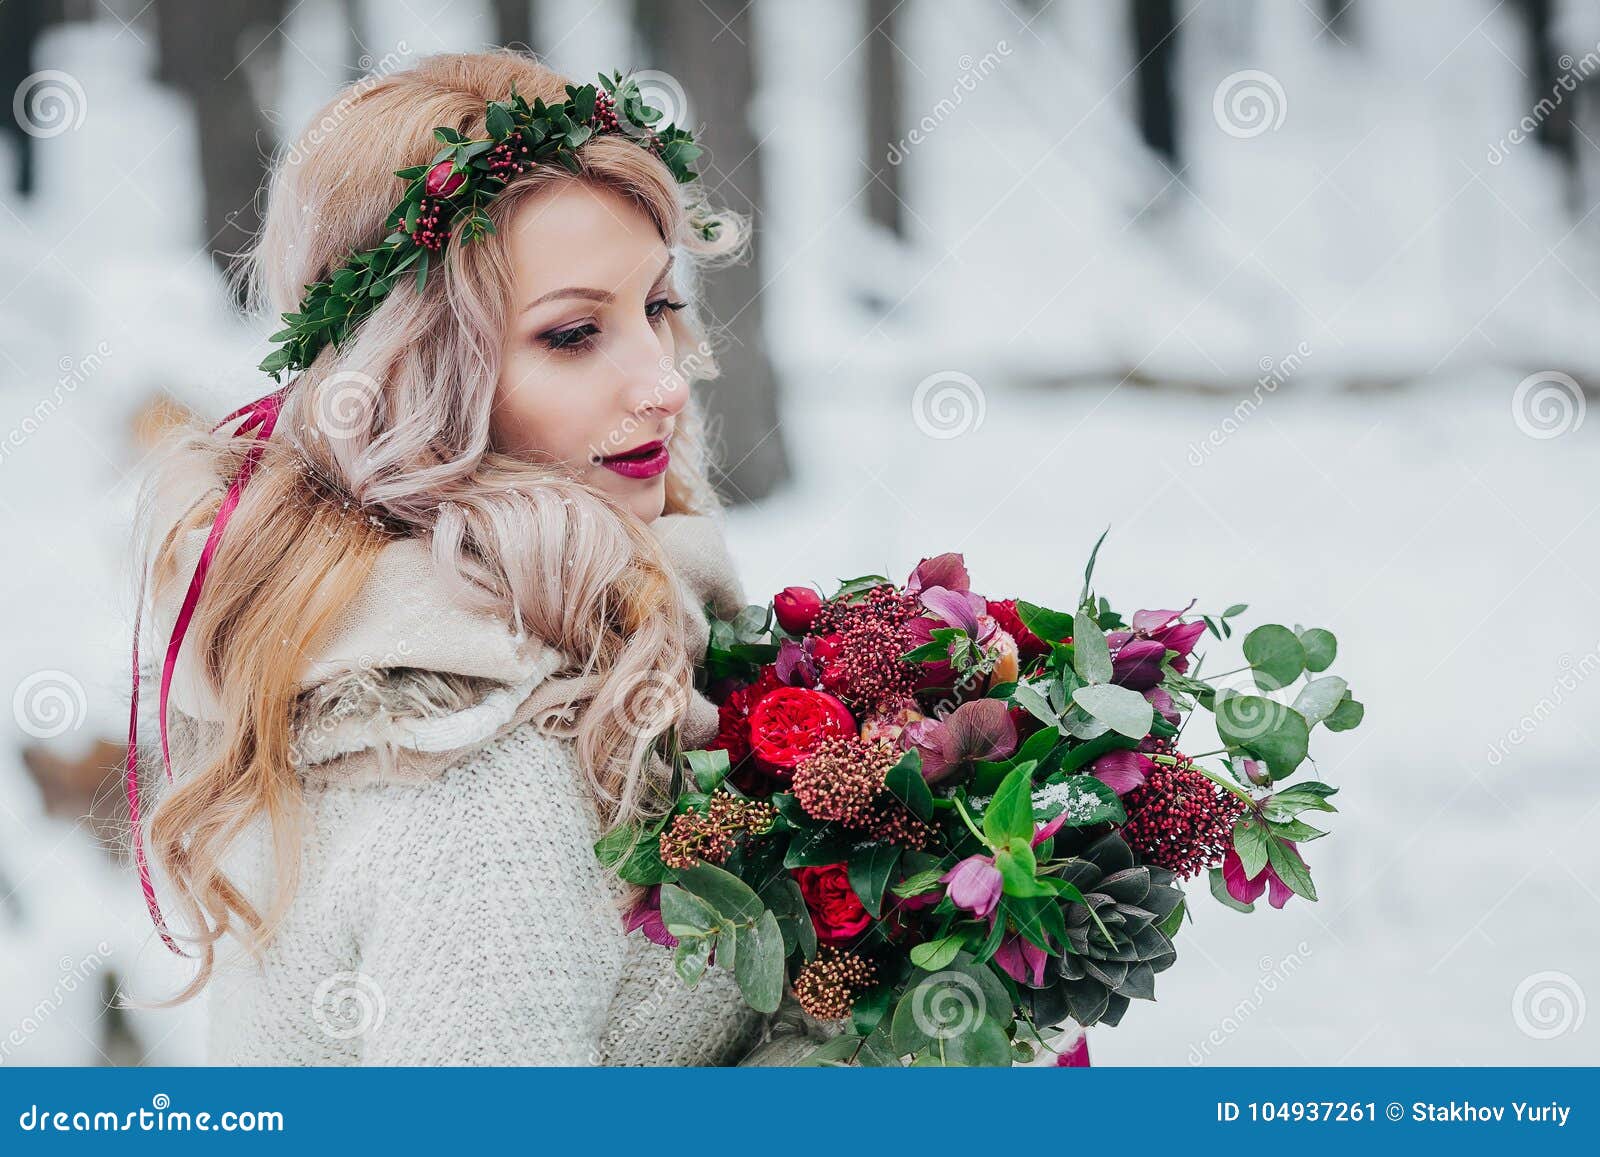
point(655, 386)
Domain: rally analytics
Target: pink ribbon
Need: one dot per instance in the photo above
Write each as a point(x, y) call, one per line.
point(262, 417)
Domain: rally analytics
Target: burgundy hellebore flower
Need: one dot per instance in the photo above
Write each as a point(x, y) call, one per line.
point(646, 916)
point(796, 608)
point(980, 729)
point(1121, 771)
point(795, 665)
point(1136, 654)
point(1247, 889)
point(1022, 960)
point(974, 884)
point(947, 570)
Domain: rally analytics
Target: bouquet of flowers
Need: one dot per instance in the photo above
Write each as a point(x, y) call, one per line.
point(951, 824)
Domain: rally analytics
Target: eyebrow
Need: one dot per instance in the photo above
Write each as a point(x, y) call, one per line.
point(600, 295)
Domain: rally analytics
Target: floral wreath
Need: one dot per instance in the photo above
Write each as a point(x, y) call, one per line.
point(451, 191)
point(446, 194)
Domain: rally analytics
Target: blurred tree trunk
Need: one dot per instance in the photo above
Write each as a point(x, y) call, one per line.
point(21, 22)
point(197, 40)
point(706, 46)
point(1155, 38)
point(884, 88)
point(514, 22)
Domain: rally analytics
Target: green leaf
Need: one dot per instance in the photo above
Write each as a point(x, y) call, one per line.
point(985, 1045)
point(1027, 696)
point(1010, 812)
point(1125, 711)
point(758, 963)
point(686, 916)
point(1291, 868)
point(935, 954)
point(727, 895)
point(834, 1051)
point(708, 768)
point(1291, 801)
point(1017, 868)
point(1276, 656)
point(691, 957)
point(916, 885)
point(905, 780)
point(1091, 657)
point(448, 136)
point(1297, 830)
point(1319, 698)
point(868, 1010)
point(1347, 716)
point(1051, 626)
point(1250, 841)
point(783, 899)
point(499, 121)
point(1320, 647)
point(1088, 570)
point(869, 872)
point(1085, 799)
point(1265, 728)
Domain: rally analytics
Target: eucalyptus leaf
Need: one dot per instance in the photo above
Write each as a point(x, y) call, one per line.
point(1091, 657)
point(1318, 698)
point(1276, 656)
point(1123, 710)
point(1320, 647)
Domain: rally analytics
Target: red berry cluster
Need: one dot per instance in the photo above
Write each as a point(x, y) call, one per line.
point(1179, 819)
point(509, 158)
point(428, 234)
point(604, 119)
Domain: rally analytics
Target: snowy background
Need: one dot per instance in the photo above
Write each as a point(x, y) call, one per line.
point(1332, 365)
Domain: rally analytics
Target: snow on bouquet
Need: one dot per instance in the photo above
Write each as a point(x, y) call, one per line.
point(952, 825)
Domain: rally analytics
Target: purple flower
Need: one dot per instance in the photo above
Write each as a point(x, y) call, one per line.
point(1247, 889)
point(1021, 959)
point(974, 884)
point(1162, 702)
point(1136, 654)
point(980, 729)
point(646, 915)
point(1076, 1057)
point(958, 609)
point(795, 665)
point(1121, 771)
point(944, 570)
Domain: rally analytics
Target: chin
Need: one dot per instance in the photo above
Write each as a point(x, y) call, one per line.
point(647, 502)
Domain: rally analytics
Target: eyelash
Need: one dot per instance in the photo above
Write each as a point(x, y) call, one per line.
point(563, 341)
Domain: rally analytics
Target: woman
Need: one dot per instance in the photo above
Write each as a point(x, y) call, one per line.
point(452, 620)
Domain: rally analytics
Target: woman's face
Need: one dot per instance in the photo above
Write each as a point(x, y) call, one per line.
point(587, 375)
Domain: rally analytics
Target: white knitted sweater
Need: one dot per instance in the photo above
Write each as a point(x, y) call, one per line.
point(450, 908)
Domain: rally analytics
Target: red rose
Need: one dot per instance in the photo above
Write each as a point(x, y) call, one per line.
point(787, 724)
point(836, 911)
point(441, 182)
point(1029, 645)
point(796, 608)
point(733, 715)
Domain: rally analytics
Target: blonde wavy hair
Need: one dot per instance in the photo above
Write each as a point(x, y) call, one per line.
point(349, 469)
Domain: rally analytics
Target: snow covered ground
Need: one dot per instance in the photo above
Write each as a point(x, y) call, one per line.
point(1078, 339)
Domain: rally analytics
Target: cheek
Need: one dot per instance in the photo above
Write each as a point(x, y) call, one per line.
point(538, 409)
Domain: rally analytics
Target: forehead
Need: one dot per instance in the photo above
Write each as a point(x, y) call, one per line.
point(576, 234)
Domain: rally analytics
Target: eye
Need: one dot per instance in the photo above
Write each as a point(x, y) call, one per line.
point(657, 309)
point(570, 340)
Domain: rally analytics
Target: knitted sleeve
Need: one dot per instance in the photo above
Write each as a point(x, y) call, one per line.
point(484, 928)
